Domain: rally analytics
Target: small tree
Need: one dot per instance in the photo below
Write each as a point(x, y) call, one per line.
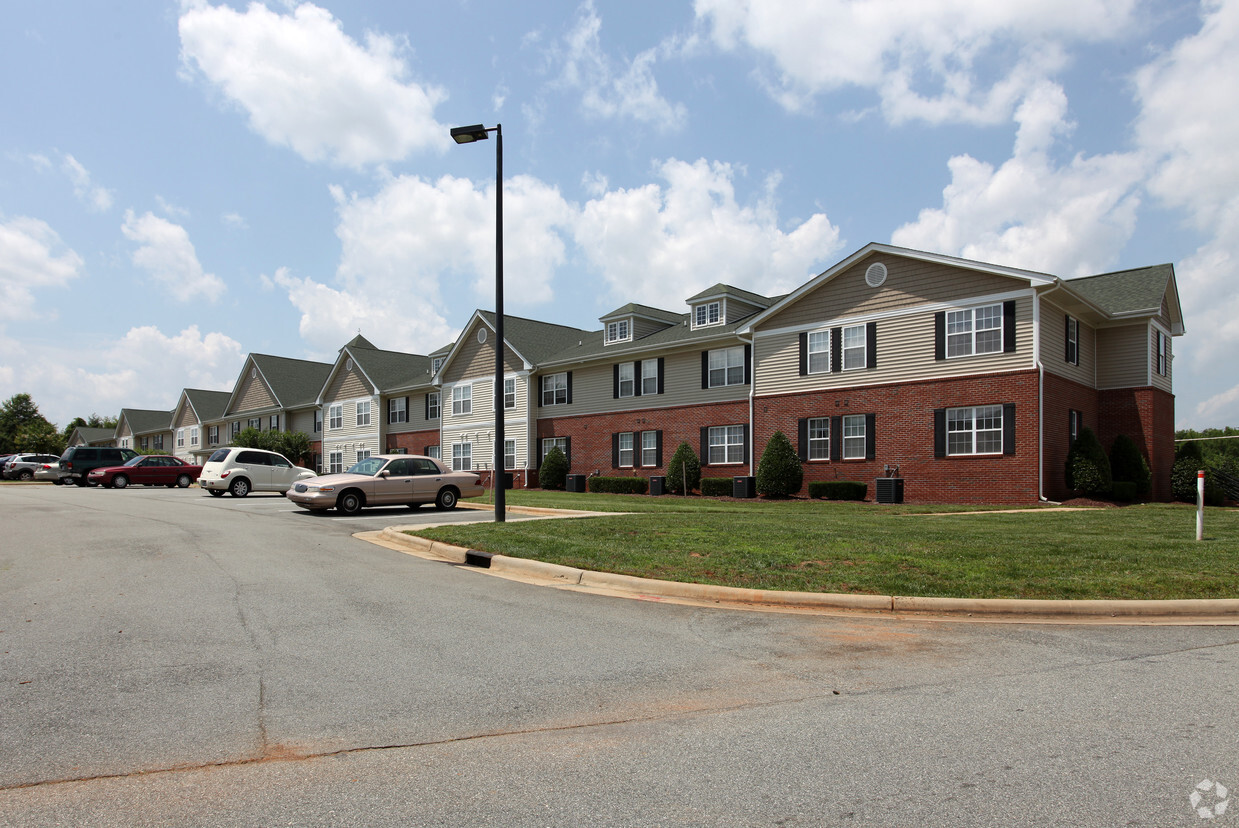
point(295, 445)
point(554, 471)
point(1088, 467)
point(253, 438)
point(1128, 465)
point(780, 472)
point(684, 470)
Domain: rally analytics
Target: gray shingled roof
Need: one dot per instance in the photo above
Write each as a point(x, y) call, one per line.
point(295, 382)
point(1126, 291)
point(391, 370)
point(678, 335)
point(721, 289)
point(208, 405)
point(95, 435)
point(538, 340)
point(146, 421)
point(633, 309)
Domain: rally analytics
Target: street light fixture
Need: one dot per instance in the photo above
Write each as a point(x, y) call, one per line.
point(467, 135)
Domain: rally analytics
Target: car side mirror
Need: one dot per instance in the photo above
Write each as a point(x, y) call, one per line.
point(384, 473)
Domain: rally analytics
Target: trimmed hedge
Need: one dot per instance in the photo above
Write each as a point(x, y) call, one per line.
point(1127, 465)
point(554, 471)
point(838, 490)
point(716, 486)
point(1125, 491)
point(684, 469)
point(780, 472)
point(619, 485)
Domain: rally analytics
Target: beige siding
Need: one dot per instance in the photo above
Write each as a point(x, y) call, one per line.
point(909, 283)
point(349, 429)
point(347, 385)
point(1122, 356)
point(482, 406)
point(737, 310)
point(478, 359)
point(186, 419)
point(254, 395)
point(905, 353)
point(302, 421)
point(417, 412)
point(1054, 347)
point(645, 327)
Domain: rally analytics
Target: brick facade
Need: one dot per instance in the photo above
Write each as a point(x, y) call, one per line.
point(1146, 415)
point(413, 442)
point(1062, 396)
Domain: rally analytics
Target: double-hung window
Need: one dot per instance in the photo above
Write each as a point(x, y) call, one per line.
point(318, 421)
point(649, 448)
point(819, 352)
point(462, 457)
point(1163, 355)
point(335, 416)
point(555, 389)
point(213, 435)
point(619, 331)
point(1073, 340)
point(710, 313)
point(854, 437)
point(254, 423)
point(509, 393)
point(854, 347)
point(649, 376)
point(273, 424)
point(627, 383)
point(236, 427)
point(363, 412)
point(625, 450)
point(509, 454)
point(462, 402)
point(193, 436)
point(180, 438)
point(549, 443)
point(975, 430)
point(974, 331)
point(432, 405)
point(727, 367)
point(819, 438)
point(362, 454)
point(398, 410)
point(726, 445)
point(335, 462)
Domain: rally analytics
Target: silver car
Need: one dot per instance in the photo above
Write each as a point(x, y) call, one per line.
point(23, 466)
point(386, 480)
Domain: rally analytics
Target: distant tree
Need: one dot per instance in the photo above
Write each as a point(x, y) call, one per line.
point(780, 472)
point(23, 428)
point(1088, 467)
point(1127, 465)
point(295, 445)
point(554, 471)
point(1189, 459)
point(684, 470)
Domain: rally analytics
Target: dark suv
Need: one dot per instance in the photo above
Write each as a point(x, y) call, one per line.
point(77, 461)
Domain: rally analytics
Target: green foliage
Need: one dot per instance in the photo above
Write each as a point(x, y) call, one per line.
point(23, 428)
point(1125, 491)
point(295, 445)
point(780, 472)
point(254, 438)
point(554, 471)
point(838, 490)
point(1127, 465)
point(716, 486)
point(1183, 479)
point(684, 470)
point(619, 485)
point(1088, 467)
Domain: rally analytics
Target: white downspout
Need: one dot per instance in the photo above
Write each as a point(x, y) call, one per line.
point(752, 390)
point(1040, 397)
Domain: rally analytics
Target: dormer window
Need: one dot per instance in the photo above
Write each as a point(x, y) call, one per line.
point(436, 364)
point(709, 313)
point(619, 331)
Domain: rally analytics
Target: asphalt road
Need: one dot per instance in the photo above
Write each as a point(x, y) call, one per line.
point(172, 659)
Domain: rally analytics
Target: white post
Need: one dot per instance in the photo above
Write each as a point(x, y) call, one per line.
point(1200, 504)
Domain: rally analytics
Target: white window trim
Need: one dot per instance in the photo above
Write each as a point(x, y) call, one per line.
point(863, 347)
point(397, 405)
point(721, 437)
point(435, 405)
point(548, 383)
point(335, 462)
point(506, 382)
point(850, 439)
point(618, 336)
point(363, 419)
point(462, 452)
point(650, 365)
point(632, 379)
point(973, 431)
point(822, 444)
point(727, 366)
point(972, 331)
point(630, 450)
point(722, 313)
point(652, 449)
point(462, 405)
point(822, 336)
point(549, 442)
point(1073, 340)
point(335, 417)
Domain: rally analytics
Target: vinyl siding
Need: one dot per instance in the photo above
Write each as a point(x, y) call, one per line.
point(349, 429)
point(483, 443)
point(1122, 356)
point(1054, 347)
point(254, 396)
point(645, 327)
point(186, 419)
point(476, 359)
point(302, 421)
point(347, 385)
point(482, 408)
point(1160, 381)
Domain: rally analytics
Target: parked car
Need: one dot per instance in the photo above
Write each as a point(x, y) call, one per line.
point(148, 470)
point(240, 471)
point(386, 480)
point(79, 461)
point(51, 472)
point(22, 466)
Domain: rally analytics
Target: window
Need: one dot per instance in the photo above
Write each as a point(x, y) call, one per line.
point(363, 454)
point(363, 412)
point(549, 443)
point(711, 313)
point(976, 430)
point(436, 364)
point(819, 352)
point(336, 462)
point(818, 436)
point(432, 451)
point(254, 423)
point(555, 389)
point(649, 449)
point(213, 435)
point(398, 410)
point(854, 437)
point(318, 421)
point(726, 367)
point(274, 423)
point(1163, 355)
point(145, 442)
point(1073, 341)
point(335, 415)
point(462, 457)
point(462, 400)
point(974, 331)
point(626, 383)
point(193, 436)
point(726, 445)
point(620, 331)
point(180, 438)
point(624, 449)
point(236, 428)
point(509, 394)
point(854, 347)
point(650, 371)
point(509, 454)
point(158, 443)
point(1074, 419)
point(432, 405)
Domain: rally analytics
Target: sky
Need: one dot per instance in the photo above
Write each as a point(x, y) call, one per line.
point(185, 183)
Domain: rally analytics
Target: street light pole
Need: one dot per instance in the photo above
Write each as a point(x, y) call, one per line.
point(467, 135)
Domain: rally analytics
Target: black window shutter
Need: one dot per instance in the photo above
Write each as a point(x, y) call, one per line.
point(1008, 428)
point(1067, 338)
point(615, 381)
point(569, 400)
point(658, 448)
point(871, 345)
point(748, 364)
point(636, 381)
point(804, 353)
point(425, 451)
point(615, 451)
point(836, 438)
point(940, 335)
point(746, 445)
point(836, 350)
point(660, 376)
point(705, 369)
point(871, 437)
point(705, 446)
point(541, 384)
point(408, 412)
point(1008, 326)
point(939, 432)
point(802, 438)
point(427, 414)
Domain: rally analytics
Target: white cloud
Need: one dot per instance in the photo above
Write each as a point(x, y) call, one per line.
point(926, 59)
point(1071, 219)
point(166, 253)
point(31, 256)
point(235, 221)
point(307, 85)
point(170, 209)
point(659, 245)
point(95, 197)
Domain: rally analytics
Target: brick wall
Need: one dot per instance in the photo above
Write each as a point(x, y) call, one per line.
point(1061, 396)
point(413, 442)
point(1146, 415)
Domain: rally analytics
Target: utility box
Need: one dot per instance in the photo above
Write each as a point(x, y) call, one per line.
point(575, 483)
point(889, 489)
point(744, 487)
point(658, 485)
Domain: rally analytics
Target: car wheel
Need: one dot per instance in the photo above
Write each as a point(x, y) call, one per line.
point(446, 499)
point(120, 481)
point(183, 481)
point(25, 474)
point(79, 481)
point(350, 503)
point(58, 481)
point(239, 488)
point(216, 492)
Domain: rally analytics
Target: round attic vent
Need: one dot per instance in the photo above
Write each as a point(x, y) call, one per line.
point(348, 365)
point(481, 335)
point(875, 275)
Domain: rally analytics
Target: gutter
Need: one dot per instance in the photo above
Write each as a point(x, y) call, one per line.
point(752, 402)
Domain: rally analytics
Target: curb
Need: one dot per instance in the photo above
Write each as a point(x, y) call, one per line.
point(1222, 610)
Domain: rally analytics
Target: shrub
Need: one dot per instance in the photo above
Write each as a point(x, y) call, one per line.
point(554, 471)
point(1088, 467)
point(619, 485)
point(779, 473)
point(684, 471)
point(1127, 465)
point(716, 486)
point(1183, 480)
point(1125, 491)
point(838, 490)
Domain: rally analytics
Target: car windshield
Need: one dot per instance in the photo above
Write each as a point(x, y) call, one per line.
point(369, 467)
point(133, 461)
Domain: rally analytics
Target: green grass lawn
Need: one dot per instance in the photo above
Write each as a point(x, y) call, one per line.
point(1147, 551)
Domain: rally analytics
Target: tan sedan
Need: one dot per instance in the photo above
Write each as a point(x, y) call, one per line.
point(386, 480)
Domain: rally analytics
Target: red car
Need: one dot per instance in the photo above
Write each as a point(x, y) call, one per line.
point(147, 470)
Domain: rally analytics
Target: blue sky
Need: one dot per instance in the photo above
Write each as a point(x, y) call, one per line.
point(185, 183)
